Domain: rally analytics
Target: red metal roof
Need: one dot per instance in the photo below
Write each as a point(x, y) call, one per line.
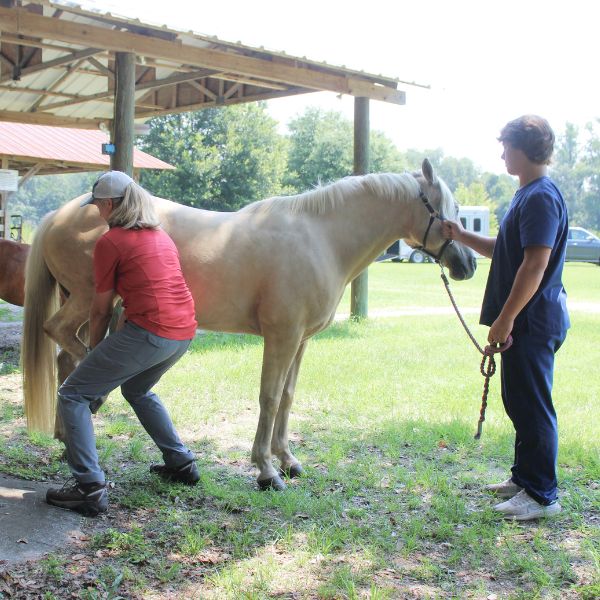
point(69, 147)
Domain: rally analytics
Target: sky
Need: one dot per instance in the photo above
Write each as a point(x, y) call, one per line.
point(484, 62)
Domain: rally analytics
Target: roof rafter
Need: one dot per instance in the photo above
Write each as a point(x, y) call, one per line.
point(57, 62)
point(168, 81)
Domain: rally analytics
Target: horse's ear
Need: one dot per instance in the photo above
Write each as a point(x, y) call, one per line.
point(428, 171)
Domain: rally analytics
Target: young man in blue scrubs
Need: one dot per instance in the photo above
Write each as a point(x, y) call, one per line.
point(525, 298)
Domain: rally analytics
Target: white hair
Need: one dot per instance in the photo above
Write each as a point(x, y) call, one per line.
point(134, 210)
point(395, 187)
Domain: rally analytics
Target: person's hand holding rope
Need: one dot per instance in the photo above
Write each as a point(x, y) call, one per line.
point(500, 330)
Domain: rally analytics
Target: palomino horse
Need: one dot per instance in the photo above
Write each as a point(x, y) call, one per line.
point(276, 268)
point(13, 256)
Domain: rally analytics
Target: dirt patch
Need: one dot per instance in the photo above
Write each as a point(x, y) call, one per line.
point(11, 327)
point(10, 346)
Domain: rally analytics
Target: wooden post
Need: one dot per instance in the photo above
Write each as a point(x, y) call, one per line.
point(122, 159)
point(359, 288)
point(5, 226)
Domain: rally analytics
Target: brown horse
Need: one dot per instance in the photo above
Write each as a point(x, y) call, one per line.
point(276, 268)
point(13, 256)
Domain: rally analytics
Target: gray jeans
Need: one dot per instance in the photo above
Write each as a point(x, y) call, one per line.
point(134, 359)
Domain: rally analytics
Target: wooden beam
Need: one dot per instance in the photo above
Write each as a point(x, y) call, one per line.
point(30, 173)
point(103, 69)
point(39, 118)
point(17, 90)
point(9, 63)
point(232, 90)
point(228, 102)
point(63, 60)
point(79, 100)
point(68, 72)
point(167, 81)
point(203, 89)
point(248, 81)
point(13, 39)
point(18, 21)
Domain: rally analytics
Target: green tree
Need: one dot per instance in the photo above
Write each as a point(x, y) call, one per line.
point(225, 158)
point(568, 171)
point(458, 171)
point(500, 190)
point(587, 212)
point(45, 193)
point(321, 150)
point(414, 159)
point(384, 156)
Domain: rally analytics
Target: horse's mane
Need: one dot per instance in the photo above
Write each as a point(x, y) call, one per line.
point(391, 186)
point(329, 197)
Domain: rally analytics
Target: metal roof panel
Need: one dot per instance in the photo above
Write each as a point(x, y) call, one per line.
point(73, 146)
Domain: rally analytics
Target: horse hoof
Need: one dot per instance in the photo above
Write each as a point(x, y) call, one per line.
point(272, 483)
point(292, 471)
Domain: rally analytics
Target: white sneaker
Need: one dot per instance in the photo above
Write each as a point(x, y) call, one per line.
point(506, 489)
point(523, 507)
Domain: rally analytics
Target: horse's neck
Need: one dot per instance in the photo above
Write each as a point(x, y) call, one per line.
point(364, 228)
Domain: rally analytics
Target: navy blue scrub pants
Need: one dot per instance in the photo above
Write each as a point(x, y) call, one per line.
point(527, 376)
point(134, 359)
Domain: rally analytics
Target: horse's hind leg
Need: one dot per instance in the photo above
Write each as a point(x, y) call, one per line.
point(62, 327)
point(66, 365)
point(280, 445)
point(278, 355)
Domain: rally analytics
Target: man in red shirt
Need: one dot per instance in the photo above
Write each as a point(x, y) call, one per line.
point(139, 262)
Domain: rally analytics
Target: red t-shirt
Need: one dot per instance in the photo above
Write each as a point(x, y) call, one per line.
point(142, 266)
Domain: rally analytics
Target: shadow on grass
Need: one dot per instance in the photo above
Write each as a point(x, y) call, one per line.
point(403, 499)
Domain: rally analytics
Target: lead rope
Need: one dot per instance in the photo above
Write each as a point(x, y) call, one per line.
point(487, 355)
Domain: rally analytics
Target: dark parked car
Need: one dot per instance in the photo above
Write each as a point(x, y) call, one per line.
point(583, 246)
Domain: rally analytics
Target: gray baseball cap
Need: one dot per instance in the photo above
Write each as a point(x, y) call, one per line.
point(111, 184)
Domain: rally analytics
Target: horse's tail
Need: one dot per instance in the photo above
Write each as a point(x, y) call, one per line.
point(38, 351)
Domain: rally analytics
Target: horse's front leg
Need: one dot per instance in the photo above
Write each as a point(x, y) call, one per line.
point(280, 445)
point(278, 354)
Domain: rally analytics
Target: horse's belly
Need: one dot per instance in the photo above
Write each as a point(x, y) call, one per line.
point(229, 312)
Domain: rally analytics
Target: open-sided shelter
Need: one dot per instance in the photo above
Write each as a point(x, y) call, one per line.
point(62, 65)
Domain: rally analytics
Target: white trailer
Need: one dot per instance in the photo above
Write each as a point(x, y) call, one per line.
point(475, 218)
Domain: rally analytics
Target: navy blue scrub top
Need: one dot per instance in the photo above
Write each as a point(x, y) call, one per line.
point(537, 216)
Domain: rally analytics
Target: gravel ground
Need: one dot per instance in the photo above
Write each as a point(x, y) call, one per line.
point(10, 339)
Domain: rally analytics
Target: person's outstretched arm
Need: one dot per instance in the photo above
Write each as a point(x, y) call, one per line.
point(480, 243)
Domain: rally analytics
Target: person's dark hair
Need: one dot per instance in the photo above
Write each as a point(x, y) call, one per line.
point(531, 134)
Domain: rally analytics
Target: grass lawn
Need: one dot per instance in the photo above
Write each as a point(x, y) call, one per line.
point(383, 422)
